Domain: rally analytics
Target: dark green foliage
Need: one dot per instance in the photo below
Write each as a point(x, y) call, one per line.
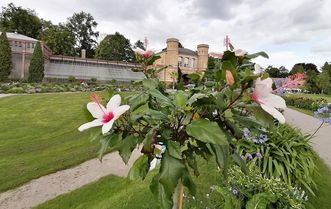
point(59, 39)
point(23, 21)
point(287, 155)
point(304, 102)
point(115, 47)
point(36, 68)
point(324, 79)
point(139, 44)
point(311, 73)
point(276, 72)
point(82, 26)
point(5, 57)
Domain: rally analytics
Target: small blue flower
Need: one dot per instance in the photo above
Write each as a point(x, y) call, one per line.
point(255, 141)
point(249, 156)
point(246, 133)
point(259, 155)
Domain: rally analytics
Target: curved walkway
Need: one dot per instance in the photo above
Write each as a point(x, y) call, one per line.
point(50, 186)
point(321, 141)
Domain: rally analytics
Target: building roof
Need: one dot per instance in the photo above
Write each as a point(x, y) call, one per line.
point(18, 36)
point(187, 51)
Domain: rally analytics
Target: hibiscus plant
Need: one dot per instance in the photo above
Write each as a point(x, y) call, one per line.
point(188, 124)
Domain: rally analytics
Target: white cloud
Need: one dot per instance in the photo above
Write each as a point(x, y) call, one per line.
point(251, 24)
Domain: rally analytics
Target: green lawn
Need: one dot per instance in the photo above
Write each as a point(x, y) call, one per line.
point(308, 112)
point(314, 96)
point(38, 136)
point(114, 192)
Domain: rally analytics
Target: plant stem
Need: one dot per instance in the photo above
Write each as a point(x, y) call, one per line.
point(311, 136)
point(178, 196)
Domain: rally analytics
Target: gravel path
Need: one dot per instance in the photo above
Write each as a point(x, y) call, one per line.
point(5, 95)
point(321, 142)
point(50, 186)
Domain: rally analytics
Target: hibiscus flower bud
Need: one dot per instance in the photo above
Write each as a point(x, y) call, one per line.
point(229, 78)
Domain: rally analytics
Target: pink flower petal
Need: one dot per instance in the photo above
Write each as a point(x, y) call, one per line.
point(120, 110)
point(96, 110)
point(114, 103)
point(91, 124)
point(106, 127)
point(274, 113)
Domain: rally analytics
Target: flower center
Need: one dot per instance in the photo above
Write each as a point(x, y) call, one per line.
point(254, 97)
point(107, 117)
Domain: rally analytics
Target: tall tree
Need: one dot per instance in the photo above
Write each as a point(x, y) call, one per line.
point(297, 68)
point(59, 39)
point(36, 68)
point(324, 82)
point(115, 47)
point(82, 25)
point(23, 21)
point(139, 44)
point(5, 57)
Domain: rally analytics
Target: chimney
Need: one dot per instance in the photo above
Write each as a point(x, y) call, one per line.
point(83, 53)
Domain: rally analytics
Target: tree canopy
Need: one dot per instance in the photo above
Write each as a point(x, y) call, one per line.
point(59, 39)
point(115, 47)
point(36, 68)
point(82, 25)
point(23, 21)
point(5, 57)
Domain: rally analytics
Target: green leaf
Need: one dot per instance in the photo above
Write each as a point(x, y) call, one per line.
point(164, 184)
point(206, 131)
point(148, 140)
point(189, 183)
point(222, 155)
point(174, 149)
point(139, 112)
point(112, 141)
point(261, 201)
point(262, 116)
point(138, 100)
point(237, 159)
point(150, 83)
point(127, 146)
point(181, 98)
point(139, 168)
point(262, 54)
point(195, 97)
point(163, 100)
point(230, 57)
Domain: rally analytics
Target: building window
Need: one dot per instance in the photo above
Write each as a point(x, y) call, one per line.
point(193, 62)
point(28, 45)
point(180, 61)
point(186, 62)
point(15, 43)
point(19, 44)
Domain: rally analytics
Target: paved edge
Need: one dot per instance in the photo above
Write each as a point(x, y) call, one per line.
point(321, 142)
point(50, 186)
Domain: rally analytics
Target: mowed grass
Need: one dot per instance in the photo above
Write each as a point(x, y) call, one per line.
point(314, 96)
point(38, 136)
point(322, 199)
point(113, 192)
point(119, 193)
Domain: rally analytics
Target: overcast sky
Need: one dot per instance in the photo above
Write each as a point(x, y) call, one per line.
point(289, 31)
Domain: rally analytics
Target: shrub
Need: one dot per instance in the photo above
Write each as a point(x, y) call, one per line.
point(304, 103)
point(72, 79)
point(16, 90)
point(280, 153)
point(5, 57)
point(36, 68)
point(93, 80)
